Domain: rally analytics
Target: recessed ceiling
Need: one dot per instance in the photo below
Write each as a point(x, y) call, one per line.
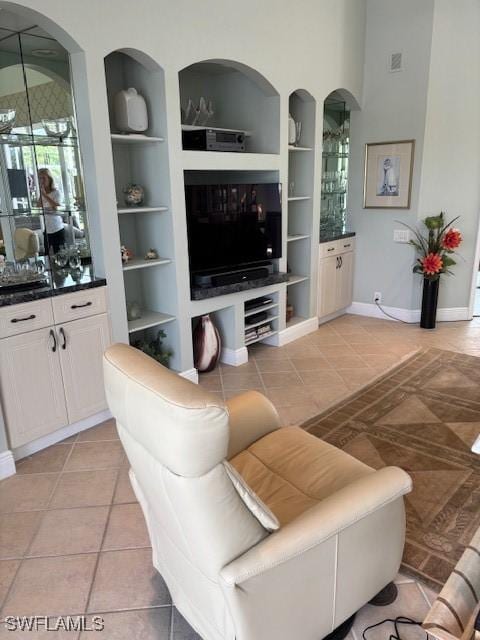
point(34, 39)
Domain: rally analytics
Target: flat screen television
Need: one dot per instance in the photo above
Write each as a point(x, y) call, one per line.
point(231, 225)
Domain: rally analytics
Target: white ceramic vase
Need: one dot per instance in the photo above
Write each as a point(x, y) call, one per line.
point(292, 131)
point(206, 345)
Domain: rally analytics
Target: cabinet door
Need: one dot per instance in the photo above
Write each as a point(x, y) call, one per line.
point(345, 280)
point(31, 386)
point(327, 282)
point(81, 346)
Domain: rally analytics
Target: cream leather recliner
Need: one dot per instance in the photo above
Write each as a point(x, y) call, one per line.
point(342, 523)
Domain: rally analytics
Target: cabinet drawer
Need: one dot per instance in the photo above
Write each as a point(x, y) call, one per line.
point(28, 316)
point(80, 304)
point(346, 244)
point(336, 247)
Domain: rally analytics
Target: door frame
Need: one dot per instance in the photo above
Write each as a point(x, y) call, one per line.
point(476, 261)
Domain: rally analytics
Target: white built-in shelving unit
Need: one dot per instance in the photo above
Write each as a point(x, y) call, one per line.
point(243, 101)
point(142, 158)
point(301, 167)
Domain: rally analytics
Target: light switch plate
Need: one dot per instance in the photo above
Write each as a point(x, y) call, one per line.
point(401, 235)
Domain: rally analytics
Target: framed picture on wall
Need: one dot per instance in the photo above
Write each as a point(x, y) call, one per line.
point(388, 174)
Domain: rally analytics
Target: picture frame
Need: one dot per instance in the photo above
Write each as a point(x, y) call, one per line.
point(388, 174)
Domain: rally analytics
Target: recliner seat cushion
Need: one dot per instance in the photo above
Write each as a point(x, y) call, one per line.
point(291, 471)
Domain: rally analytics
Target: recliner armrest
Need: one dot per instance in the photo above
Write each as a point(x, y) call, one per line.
point(337, 512)
point(251, 416)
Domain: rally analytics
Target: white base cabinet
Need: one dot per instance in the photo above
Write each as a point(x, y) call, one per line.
point(335, 276)
point(82, 344)
point(32, 388)
point(52, 376)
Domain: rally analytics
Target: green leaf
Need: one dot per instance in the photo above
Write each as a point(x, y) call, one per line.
point(420, 239)
point(447, 261)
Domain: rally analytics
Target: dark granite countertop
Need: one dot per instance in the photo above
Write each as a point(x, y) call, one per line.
point(340, 236)
point(60, 281)
point(199, 293)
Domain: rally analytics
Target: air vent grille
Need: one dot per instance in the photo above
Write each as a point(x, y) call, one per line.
point(395, 63)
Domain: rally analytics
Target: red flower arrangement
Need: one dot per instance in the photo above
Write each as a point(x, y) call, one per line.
point(452, 239)
point(431, 264)
point(437, 248)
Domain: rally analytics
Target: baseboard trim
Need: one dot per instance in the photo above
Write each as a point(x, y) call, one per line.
point(332, 316)
point(298, 330)
point(453, 314)
point(372, 311)
point(234, 357)
point(65, 432)
point(7, 464)
point(412, 316)
point(190, 374)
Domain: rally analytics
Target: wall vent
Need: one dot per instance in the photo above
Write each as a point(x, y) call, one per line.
point(395, 63)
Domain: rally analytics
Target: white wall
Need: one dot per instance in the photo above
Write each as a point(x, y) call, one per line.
point(393, 108)
point(451, 158)
point(435, 100)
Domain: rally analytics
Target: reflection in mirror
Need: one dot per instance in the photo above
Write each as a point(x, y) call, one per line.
point(43, 215)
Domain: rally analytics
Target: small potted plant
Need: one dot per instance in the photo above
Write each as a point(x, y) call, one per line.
point(436, 250)
point(154, 348)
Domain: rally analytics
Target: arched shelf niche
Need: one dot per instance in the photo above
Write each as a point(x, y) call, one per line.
point(143, 160)
point(242, 99)
point(126, 68)
point(334, 219)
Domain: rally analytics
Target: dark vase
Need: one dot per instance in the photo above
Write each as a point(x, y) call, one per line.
point(429, 303)
point(206, 345)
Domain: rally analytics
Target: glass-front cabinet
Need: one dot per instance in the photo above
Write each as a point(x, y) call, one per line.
point(336, 147)
point(44, 230)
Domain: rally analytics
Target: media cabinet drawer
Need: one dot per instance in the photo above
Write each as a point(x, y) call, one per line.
point(336, 247)
point(27, 316)
point(80, 304)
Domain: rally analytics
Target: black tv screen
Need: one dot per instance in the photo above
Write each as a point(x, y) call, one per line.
point(233, 224)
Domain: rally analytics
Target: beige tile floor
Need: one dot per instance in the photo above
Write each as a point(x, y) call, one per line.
point(304, 377)
point(73, 538)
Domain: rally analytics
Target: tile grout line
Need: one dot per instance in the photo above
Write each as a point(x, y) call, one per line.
point(259, 373)
point(37, 529)
point(170, 635)
point(97, 560)
point(420, 586)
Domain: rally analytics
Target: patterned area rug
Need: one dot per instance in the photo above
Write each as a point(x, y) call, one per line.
point(422, 416)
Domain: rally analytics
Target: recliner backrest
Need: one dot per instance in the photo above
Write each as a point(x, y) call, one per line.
point(183, 426)
point(176, 437)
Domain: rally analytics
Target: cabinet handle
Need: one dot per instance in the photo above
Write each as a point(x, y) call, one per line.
point(79, 306)
point(345, 246)
point(338, 265)
point(62, 333)
point(341, 262)
point(23, 319)
point(52, 334)
point(331, 249)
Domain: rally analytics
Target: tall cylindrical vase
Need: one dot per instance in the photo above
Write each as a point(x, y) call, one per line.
point(429, 303)
point(206, 345)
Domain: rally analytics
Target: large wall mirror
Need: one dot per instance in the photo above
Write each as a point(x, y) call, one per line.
point(43, 215)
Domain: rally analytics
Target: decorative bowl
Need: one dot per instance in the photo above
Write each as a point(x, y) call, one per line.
point(59, 128)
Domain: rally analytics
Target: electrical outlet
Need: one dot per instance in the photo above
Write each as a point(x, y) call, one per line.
point(377, 297)
point(401, 235)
